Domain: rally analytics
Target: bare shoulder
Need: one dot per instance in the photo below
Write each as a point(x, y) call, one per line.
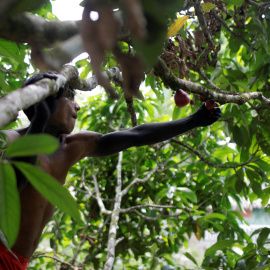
point(82, 136)
point(83, 142)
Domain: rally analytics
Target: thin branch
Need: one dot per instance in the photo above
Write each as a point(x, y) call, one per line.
point(138, 180)
point(228, 28)
point(157, 217)
point(56, 230)
point(103, 210)
point(211, 197)
point(132, 208)
point(199, 14)
point(253, 3)
point(131, 110)
point(114, 217)
point(55, 259)
point(78, 248)
point(213, 86)
point(198, 154)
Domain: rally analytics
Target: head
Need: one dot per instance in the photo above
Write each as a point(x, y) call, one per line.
point(64, 117)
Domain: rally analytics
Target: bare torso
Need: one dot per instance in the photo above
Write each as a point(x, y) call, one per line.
point(36, 211)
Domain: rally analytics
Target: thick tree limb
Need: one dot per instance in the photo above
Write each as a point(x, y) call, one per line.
point(23, 98)
point(63, 52)
point(28, 28)
point(170, 80)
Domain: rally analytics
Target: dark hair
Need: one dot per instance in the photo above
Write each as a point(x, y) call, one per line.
point(68, 91)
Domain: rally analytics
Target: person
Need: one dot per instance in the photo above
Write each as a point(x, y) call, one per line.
point(56, 115)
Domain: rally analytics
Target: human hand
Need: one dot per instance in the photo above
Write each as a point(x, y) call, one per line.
point(206, 117)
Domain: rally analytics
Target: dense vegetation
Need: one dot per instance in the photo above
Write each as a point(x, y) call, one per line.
point(165, 193)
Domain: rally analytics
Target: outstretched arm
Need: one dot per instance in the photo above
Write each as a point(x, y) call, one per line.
point(154, 132)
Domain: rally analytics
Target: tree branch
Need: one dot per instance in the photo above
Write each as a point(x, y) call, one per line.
point(28, 28)
point(103, 210)
point(23, 98)
point(132, 208)
point(199, 155)
point(228, 28)
point(157, 217)
point(138, 180)
point(170, 80)
point(253, 3)
point(55, 259)
point(114, 217)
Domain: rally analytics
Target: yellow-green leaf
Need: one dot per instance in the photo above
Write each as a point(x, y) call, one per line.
point(207, 6)
point(176, 26)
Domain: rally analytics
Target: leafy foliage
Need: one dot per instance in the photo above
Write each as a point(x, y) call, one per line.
point(173, 190)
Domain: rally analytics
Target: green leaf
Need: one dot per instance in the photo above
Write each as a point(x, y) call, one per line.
point(263, 165)
point(241, 265)
point(242, 85)
point(188, 193)
point(263, 236)
point(31, 145)
point(189, 256)
point(50, 188)
point(217, 226)
point(220, 245)
point(223, 151)
point(3, 140)
point(10, 49)
point(167, 267)
point(29, 5)
point(215, 215)
point(254, 177)
point(238, 135)
point(176, 112)
point(256, 187)
point(234, 2)
point(9, 204)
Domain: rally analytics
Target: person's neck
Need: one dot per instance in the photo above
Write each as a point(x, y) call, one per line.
point(53, 131)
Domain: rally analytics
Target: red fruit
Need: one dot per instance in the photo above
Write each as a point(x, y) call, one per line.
point(210, 104)
point(202, 99)
point(181, 98)
point(81, 235)
point(192, 102)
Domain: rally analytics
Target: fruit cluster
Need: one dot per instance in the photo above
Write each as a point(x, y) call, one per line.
point(182, 99)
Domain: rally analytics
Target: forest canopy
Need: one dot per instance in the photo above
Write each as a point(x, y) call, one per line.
point(139, 208)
